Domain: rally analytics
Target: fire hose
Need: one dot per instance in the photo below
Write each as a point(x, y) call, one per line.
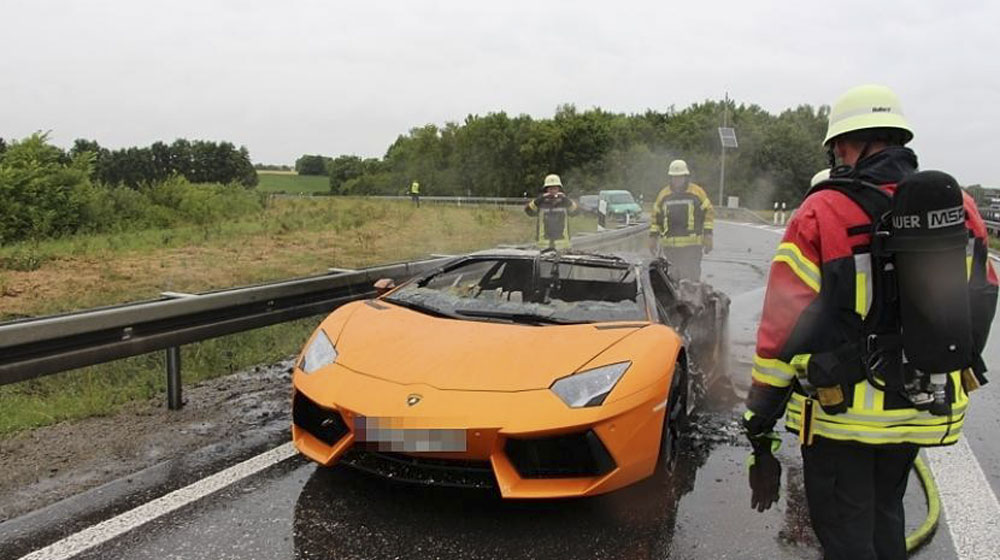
point(922, 534)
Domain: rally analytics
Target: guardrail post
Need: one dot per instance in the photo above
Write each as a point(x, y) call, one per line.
point(174, 401)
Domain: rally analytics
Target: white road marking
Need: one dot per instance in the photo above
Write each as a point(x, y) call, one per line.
point(125, 522)
point(972, 510)
point(970, 506)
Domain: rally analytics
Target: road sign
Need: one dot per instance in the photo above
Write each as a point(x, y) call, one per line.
point(728, 137)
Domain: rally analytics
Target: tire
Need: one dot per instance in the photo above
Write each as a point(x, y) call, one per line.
point(675, 419)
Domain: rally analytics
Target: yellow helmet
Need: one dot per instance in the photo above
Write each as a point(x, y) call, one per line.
point(819, 177)
point(864, 107)
point(552, 180)
point(678, 168)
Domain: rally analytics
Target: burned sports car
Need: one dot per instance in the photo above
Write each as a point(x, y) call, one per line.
point(543, 375)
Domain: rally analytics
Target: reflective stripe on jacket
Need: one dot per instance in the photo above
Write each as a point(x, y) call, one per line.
point(680, 219)
point(552, 225)
point(818, 292)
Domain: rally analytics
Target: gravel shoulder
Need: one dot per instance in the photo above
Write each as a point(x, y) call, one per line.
point(48, 464)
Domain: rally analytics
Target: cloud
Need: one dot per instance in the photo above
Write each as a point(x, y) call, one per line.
point(304, 77)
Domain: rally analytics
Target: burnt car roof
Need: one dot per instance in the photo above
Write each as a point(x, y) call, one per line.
point(610, 257)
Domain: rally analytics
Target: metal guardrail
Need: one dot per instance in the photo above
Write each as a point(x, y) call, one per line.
point(31, 348)
point(727, 213)
point(35, 347)
point(456, 200)
point(991, 218)
point(462, 200)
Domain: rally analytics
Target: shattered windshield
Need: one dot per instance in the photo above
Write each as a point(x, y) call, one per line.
point(530, 291)
point(622, 198)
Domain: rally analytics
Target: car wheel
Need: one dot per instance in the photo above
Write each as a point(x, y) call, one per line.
point(675, 420)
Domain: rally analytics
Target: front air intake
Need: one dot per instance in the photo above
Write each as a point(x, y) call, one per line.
point(564, 456)
point(324, 424)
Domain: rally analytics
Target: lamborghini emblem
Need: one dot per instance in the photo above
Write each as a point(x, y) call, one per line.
point(413, 399)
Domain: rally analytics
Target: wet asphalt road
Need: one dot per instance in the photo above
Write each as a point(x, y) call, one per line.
point(700, 511)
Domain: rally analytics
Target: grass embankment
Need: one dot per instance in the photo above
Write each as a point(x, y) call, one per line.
point(292, 183)
point(289, 238)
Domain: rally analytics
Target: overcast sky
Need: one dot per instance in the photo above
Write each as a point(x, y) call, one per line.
point(287, 78)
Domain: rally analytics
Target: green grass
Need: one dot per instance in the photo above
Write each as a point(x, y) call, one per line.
point(290, 237)
point(292, 184)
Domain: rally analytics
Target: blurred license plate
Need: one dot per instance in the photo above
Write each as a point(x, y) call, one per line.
point(375, 432)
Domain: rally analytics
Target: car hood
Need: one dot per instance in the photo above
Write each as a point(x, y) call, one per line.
point(405, 346)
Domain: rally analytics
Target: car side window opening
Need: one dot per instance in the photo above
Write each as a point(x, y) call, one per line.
point(666, 297)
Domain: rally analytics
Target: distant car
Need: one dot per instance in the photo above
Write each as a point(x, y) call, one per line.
point(620, 206)
point(588, 203)
point(540, 374)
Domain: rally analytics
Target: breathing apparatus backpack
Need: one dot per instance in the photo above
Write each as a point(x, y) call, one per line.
point(919, 327)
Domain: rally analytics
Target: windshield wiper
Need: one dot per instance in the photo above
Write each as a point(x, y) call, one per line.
point(529, 318)
point(423, 308)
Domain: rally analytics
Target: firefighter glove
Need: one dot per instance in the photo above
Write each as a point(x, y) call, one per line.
point(764, 471)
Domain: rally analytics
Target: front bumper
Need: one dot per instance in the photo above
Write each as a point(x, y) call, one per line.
point(528, 444)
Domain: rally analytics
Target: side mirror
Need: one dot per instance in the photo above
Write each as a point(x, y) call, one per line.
point(383, 286)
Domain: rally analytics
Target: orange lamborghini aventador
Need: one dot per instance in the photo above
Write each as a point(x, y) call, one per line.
point(540, 374)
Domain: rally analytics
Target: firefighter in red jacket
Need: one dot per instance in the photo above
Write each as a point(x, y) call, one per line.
point(830, 347)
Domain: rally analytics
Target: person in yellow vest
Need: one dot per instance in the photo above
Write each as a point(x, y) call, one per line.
point(415, 193)
point(553, 209)
point(683, 219)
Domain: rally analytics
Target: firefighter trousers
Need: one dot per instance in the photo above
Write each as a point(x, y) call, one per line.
point(855, 496)
point(685, 262)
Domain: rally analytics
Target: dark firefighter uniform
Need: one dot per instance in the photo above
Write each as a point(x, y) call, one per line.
point(681, 221)
point(553, 209)
point(856, 461)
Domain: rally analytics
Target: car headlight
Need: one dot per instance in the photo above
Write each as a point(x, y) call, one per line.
point(590, 387)
point(319, 353)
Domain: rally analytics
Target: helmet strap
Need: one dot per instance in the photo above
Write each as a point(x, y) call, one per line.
point(845, 170)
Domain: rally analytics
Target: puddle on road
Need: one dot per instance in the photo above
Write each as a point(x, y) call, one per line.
point(700, 510)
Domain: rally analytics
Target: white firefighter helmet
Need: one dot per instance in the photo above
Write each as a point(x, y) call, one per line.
point(819, 177)
point(864, 107)
point(678, 168)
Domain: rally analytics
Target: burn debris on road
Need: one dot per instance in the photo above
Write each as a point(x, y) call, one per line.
point(45, 465)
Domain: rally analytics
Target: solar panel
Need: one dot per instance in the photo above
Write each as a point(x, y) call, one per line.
point(728, 137)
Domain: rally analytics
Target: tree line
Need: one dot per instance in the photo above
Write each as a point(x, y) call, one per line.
point(198, 161)
point(500, 155)
point(50, 192)
point(272, 167)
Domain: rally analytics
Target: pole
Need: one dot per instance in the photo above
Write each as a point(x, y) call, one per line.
point(722, 167)
point(174, 401)
point(722, 176)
